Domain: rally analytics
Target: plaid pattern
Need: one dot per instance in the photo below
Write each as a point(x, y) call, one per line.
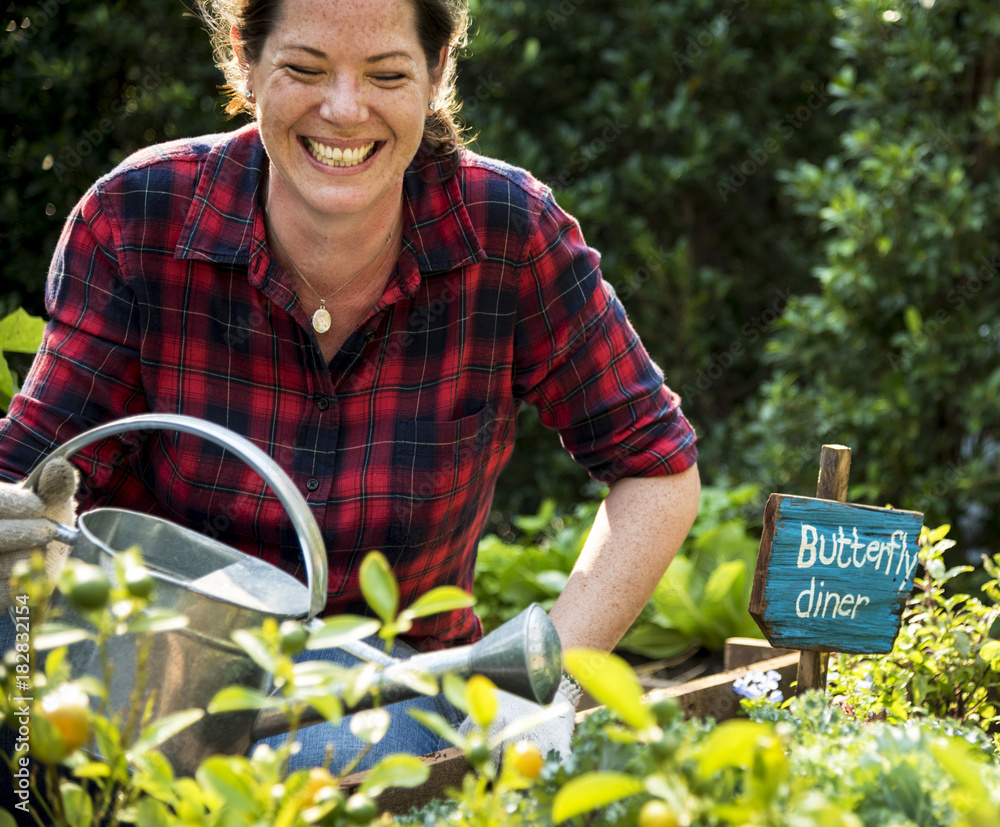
point(164, 297)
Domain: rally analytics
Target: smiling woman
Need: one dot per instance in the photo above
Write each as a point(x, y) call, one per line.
point(344, 284)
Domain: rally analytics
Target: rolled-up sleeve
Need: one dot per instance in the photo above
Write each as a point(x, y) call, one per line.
point(581, 363)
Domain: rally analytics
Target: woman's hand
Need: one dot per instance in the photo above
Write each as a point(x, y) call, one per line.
point(28, 520)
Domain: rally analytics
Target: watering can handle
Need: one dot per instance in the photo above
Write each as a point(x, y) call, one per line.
point(313, 549)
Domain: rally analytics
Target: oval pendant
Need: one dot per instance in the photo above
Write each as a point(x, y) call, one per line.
point(321, 320)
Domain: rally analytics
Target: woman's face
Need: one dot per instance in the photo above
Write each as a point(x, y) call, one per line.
point(342, 88)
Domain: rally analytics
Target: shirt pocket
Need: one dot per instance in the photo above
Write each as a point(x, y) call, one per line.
point(444, 473)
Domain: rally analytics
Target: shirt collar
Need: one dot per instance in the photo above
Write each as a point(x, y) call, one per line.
point(224, 223)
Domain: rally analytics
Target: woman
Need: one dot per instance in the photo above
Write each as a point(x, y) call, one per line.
point(346, 286)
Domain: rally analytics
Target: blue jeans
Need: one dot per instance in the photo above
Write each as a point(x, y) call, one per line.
point(405, 733)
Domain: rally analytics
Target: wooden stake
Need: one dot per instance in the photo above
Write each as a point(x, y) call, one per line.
point(834, 473)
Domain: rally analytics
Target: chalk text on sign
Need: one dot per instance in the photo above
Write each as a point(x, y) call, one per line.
point(845, 551)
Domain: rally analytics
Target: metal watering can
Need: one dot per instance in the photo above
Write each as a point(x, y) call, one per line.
point(220, 589)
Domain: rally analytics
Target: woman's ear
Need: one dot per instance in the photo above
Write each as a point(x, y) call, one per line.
point(237, 43)
point(438, 71)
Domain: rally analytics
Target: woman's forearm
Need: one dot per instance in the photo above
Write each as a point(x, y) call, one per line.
point(637, 531)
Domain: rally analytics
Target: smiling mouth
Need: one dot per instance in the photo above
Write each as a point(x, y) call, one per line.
point(334, 156)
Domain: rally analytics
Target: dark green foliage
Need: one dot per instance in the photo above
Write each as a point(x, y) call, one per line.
point(897, 355)
point(82, 85)
point(660, 126)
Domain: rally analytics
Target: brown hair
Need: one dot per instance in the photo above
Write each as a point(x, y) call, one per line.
point(440, 23)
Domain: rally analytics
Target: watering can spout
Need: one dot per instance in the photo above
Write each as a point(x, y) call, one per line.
point(522, 657)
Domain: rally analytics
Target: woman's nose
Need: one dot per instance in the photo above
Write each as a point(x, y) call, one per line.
point(344, 102)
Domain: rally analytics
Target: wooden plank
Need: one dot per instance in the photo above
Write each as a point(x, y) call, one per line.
point(832, 484)
point(833, 576)
point(744, 651)
point(709, 697)
point(714, 697)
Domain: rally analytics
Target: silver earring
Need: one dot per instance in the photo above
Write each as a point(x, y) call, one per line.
point(432, 105)
point(250, 96)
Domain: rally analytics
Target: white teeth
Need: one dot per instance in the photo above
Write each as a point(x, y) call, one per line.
point(334, 156)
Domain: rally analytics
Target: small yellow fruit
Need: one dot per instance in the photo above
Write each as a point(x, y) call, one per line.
point(655, 813)
point(68, 710)
point(527, 758)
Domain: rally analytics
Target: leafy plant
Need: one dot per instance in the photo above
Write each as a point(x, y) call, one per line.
point(945, 662)
point(907, 212)
point(85, 767)
point(19, 333)
point(700, 601)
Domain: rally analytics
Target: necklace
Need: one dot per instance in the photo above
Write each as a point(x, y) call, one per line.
point(321, 320)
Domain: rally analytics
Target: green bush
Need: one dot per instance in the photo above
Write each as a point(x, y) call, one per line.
point(896, 352)
point(82, 85)
point(660, 126)
point(945, 662)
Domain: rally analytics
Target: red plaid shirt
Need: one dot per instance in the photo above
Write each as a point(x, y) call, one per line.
point(164, 297)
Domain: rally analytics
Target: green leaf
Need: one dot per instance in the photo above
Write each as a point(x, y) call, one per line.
point(336, 631)
point(92, 769)
point(990, 652)
point(157, 620)
point(53, 635)
point(395, 771)
point(152, 813)
point(6, 384)
point(378, 585)
point(592, 790)
point(731, 744)
point(370, 725)
point(437, 600)
point(239, 698)
point(481, 698)
point(611, 682)
point(159, 731)
point(256, 647)
point(77, 805)
point(6, 819)
point(219, 775)
point(21, 332)
point(437, 724)
point(453, 688)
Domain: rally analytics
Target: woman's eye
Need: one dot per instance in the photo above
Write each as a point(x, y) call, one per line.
point(389, 78)
point(303, 71)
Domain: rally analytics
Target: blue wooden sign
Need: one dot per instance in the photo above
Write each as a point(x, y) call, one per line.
point(832, 576)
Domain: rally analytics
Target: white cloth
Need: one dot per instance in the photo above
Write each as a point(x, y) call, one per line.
point(555, 732)
point(27, 521)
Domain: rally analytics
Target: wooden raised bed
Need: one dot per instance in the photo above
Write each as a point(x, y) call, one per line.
point(708, 697)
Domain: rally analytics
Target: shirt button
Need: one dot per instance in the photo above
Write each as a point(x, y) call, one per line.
point(312, 484)
point(322, 403)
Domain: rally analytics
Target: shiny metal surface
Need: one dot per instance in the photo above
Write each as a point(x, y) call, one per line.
point(217, 588)
point(220, 590)
point(522, 657)
point(313, 549)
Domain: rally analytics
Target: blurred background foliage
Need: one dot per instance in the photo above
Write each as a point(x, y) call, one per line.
point(796, 202)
